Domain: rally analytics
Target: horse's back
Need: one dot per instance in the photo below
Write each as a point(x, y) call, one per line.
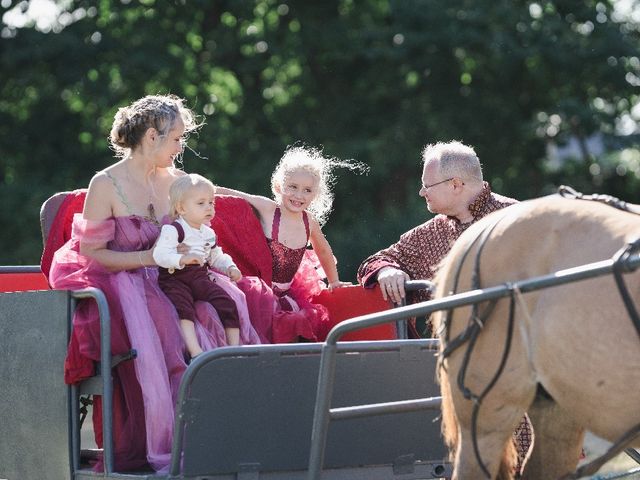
point(538, 237)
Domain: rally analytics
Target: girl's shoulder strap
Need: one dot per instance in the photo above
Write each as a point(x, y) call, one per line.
point(275, 225)
point(305, 219)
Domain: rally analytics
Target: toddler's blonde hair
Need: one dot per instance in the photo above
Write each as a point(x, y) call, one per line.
point(183, 185)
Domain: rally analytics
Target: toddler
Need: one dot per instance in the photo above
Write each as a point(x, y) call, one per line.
point(185, 278)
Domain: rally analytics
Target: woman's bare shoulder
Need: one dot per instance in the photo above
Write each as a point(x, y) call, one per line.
point(102, 181)
point(168, 175)
point(99, 201)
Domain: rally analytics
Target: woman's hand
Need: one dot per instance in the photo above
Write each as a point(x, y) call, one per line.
point(234, 273)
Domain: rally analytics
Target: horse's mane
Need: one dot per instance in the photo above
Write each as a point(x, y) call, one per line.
point(446, 281)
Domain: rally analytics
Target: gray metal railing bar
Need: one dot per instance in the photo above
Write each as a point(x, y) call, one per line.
point(328, 360)
point(105, 364)
point(470, 297)
point(403, 406)
point(74, 428)
point(616, 476)
point(410, 286)
point(20, 269)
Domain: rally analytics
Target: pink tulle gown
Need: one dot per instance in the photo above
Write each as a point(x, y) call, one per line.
point(142, 317)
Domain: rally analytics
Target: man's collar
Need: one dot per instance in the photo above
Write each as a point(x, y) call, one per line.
point(478, 206)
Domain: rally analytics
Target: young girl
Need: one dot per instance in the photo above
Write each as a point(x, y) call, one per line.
point(185, 278)
point(302, 201)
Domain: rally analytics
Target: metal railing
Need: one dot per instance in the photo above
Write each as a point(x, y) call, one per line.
point(20, 269)
point(323, 412)
point(106, 387)
point(402, 330)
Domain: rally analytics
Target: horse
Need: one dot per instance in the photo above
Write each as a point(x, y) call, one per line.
point(568, 356)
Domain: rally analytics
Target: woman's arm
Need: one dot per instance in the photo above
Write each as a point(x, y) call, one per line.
point(98, 207)
point(325, 254)
point(262, 204)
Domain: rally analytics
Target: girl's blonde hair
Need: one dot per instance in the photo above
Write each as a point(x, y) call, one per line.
point(183, 185)
point(311, 160)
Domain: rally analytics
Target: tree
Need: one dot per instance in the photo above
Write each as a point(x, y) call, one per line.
point(372, 80)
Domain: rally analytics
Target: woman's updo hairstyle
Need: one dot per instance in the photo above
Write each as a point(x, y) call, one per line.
point(153, 111)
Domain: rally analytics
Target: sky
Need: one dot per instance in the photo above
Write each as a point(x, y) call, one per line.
point(45, 13)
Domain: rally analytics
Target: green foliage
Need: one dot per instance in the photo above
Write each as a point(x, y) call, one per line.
point(373, 80)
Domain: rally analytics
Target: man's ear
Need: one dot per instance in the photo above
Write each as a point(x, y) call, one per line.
point(457, 182)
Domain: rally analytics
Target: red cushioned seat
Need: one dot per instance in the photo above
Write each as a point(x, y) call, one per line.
point(19, 282)
point(349, 302)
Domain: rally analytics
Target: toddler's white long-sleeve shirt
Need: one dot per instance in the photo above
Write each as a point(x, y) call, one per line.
point(201, 241)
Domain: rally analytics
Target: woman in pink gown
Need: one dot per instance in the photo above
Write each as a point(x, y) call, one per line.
point(110, 249)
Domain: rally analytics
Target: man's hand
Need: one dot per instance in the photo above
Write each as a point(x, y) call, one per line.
point(391, 282)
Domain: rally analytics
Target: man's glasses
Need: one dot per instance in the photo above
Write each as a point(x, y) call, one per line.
point(426, 187)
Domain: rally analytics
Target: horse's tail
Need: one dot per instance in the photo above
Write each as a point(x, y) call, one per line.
point(449, 425)
point(508, 462)
point(450, 433)
point(449, 420)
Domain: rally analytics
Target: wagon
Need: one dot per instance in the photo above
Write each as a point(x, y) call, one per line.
point(338, 410)
point(242, 413)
